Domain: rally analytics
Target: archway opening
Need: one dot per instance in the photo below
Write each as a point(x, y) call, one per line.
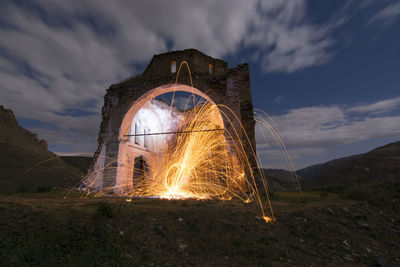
point(180, 132)
point(140, 171)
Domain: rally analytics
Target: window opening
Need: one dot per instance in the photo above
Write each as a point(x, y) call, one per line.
point(146, 138)
point(173, 66)
point(137, 131)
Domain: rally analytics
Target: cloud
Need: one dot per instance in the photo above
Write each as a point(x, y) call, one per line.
point(386, 16)
point(57, 56)
point(288, 42)
point(311, 131)
point(71, 134)
point(377, 107)
point(332, 125)
point(276, 154)
point(74, 154)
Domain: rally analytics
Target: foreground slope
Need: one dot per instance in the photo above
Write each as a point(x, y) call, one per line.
point(26, 163)
point(311, 230)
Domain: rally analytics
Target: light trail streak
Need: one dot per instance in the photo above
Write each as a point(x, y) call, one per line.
point(181, 132)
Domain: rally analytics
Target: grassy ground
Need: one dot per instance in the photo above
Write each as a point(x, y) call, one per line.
point(313, 229)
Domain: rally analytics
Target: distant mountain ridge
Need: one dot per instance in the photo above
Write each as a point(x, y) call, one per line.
point(375, 168)
point(21, 151)
point(26, 163)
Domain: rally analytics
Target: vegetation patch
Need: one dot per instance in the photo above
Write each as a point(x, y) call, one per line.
point(47, 230)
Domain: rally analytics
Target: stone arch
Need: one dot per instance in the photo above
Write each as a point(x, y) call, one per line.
point(127, 154)
point(168, 88)
point(229, 88)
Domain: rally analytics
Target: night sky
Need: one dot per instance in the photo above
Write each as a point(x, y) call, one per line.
point(327, 72)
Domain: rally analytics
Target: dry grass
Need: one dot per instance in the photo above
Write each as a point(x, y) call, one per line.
point(46, 229)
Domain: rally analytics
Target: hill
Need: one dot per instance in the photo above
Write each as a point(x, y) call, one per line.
point(280, 180)
point(377, 170)
point(80, 162)
point(26, 163)
point(311, 228)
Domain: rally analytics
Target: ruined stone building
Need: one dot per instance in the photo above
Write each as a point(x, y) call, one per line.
point(130, 107)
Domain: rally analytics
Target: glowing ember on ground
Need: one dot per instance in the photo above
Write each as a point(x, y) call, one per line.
point(267, 219)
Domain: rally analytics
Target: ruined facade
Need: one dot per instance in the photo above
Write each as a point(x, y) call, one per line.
point(212, 80)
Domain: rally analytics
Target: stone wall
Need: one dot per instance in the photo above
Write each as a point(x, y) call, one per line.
point(228, 87)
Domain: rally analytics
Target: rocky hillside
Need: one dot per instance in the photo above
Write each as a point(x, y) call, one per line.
point(378, 169)
point(26, 163)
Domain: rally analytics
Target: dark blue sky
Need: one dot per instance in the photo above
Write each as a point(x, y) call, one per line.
point(327, 72)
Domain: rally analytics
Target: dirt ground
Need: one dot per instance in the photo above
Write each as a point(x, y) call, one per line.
point(313, 229)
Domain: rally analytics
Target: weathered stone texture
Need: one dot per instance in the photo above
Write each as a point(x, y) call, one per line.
point(228, 87)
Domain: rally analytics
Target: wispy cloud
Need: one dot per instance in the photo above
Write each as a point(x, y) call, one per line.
point(57, 56)
point(332, 125)
point(386, 16)
point(309, 131)
point(377, 107)
point(288, 42)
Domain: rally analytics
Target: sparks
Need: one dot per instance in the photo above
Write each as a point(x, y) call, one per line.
point(267, 219)
point(192, 156)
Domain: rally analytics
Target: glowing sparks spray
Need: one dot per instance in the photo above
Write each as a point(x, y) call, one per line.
point(202, 160)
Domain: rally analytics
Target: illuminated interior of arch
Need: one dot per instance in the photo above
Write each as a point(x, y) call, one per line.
point(177, 151)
